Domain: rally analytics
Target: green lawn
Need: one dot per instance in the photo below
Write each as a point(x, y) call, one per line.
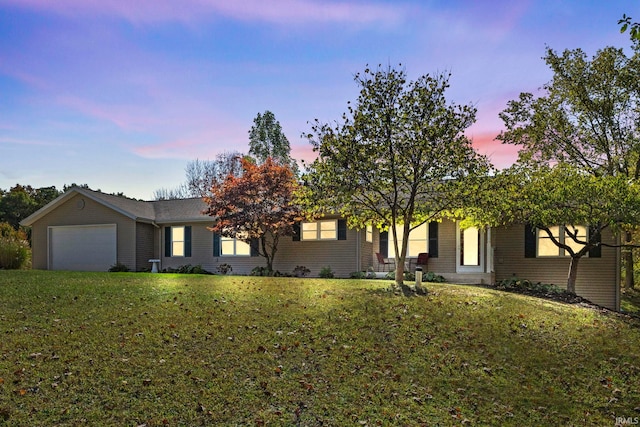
point(630, 301)
point(130, 349)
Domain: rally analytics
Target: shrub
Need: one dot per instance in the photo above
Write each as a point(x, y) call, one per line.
point(326, 273)
point(15, 252)
point(118, 267)
point(524, 285)
point(224, 268)
point(358, 275)
point(260, 271)
point(371, 273)
point(187, 269)
point(301, 271)
point(432, 277)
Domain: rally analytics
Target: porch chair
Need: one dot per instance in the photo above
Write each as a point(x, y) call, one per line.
point(382, 261)
point(423, 259)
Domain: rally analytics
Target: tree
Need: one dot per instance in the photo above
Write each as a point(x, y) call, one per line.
point(266, 140)
point(201, 175)
point(570, 206)
point(256, 205)
point(21, 201)
point(634, 28)
point(588, 117)
point(399, 156)
point(204, 174)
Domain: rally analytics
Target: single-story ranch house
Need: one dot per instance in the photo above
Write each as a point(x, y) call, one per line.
point(91, 231)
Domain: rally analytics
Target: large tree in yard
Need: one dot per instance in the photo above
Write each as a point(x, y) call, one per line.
point(569, 207)
point(588, 116)
point(399, 156)
point(267, 140)
point(256, 206)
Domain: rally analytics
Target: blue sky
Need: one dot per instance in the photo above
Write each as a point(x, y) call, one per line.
point(121, 94)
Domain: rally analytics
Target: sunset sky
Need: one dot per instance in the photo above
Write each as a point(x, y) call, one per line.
point(121, 94)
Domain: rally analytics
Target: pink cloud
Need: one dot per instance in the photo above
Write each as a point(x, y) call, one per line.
point(203, 143)
point(303, 152)
point(126, 117)
point(501, 155)
point(282, 11)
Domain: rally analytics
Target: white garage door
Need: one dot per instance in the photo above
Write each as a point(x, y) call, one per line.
point(82, 248)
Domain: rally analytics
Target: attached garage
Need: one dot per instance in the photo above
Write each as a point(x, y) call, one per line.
point(82, 247)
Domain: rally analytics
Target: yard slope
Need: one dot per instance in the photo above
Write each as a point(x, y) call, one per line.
point(156, 349)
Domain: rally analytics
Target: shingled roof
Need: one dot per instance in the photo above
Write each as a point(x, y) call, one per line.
point(157, 211)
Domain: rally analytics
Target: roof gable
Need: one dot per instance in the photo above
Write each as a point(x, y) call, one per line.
point(161, 211)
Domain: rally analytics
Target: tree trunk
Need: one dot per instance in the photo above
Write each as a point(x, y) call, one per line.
point(628, 263)
point(399, 270)
point(573, 273)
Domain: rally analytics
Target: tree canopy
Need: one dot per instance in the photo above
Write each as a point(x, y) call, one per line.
point(267, 140)
point(633, 27)
point(22, 200)
point(258, 204)
point(398, 156)
point(588, 115)
point(579, 161)
point(201, 175)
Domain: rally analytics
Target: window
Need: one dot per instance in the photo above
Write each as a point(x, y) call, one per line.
point(320, 230)
point(418, 241)
point(369, 233)
point(546, 247)
point(177, 241)
point(231, 246)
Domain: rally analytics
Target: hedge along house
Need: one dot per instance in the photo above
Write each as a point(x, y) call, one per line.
point(91, 231)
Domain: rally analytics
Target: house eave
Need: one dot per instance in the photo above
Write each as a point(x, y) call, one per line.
point(31, 219)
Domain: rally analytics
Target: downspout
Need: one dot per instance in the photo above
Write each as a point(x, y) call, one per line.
point(358, 261)
point(159, 242)
point(618, 271)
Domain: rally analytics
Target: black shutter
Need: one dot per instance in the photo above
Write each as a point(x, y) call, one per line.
point(187, 241)
point(433, 239)
point(384, 244)
point(342, 229)
point(529, 241)
point(254, 247)
point(167, 241)
point(596, 251)
point(216, 245)
point(296, 232)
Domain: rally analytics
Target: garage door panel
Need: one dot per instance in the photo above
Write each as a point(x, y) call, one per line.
point(82, 248)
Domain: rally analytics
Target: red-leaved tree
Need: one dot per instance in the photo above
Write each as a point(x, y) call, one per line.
point(256, 205)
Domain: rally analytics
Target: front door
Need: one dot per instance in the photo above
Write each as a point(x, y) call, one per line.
point(470, 249)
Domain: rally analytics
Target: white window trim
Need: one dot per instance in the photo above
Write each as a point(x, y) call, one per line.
point(398, 227)
point(369, 233)
point(319, 230)
point(173, 240)
point(235, 247)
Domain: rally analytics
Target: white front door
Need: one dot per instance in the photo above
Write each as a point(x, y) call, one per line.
point(470, 250)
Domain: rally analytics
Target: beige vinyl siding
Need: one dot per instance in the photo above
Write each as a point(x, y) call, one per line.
point(446, 260)
point(340, 255)
point(70, 213)
point(367, 252)
point(145, 249)
point(201, 248)
point(596, 279)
